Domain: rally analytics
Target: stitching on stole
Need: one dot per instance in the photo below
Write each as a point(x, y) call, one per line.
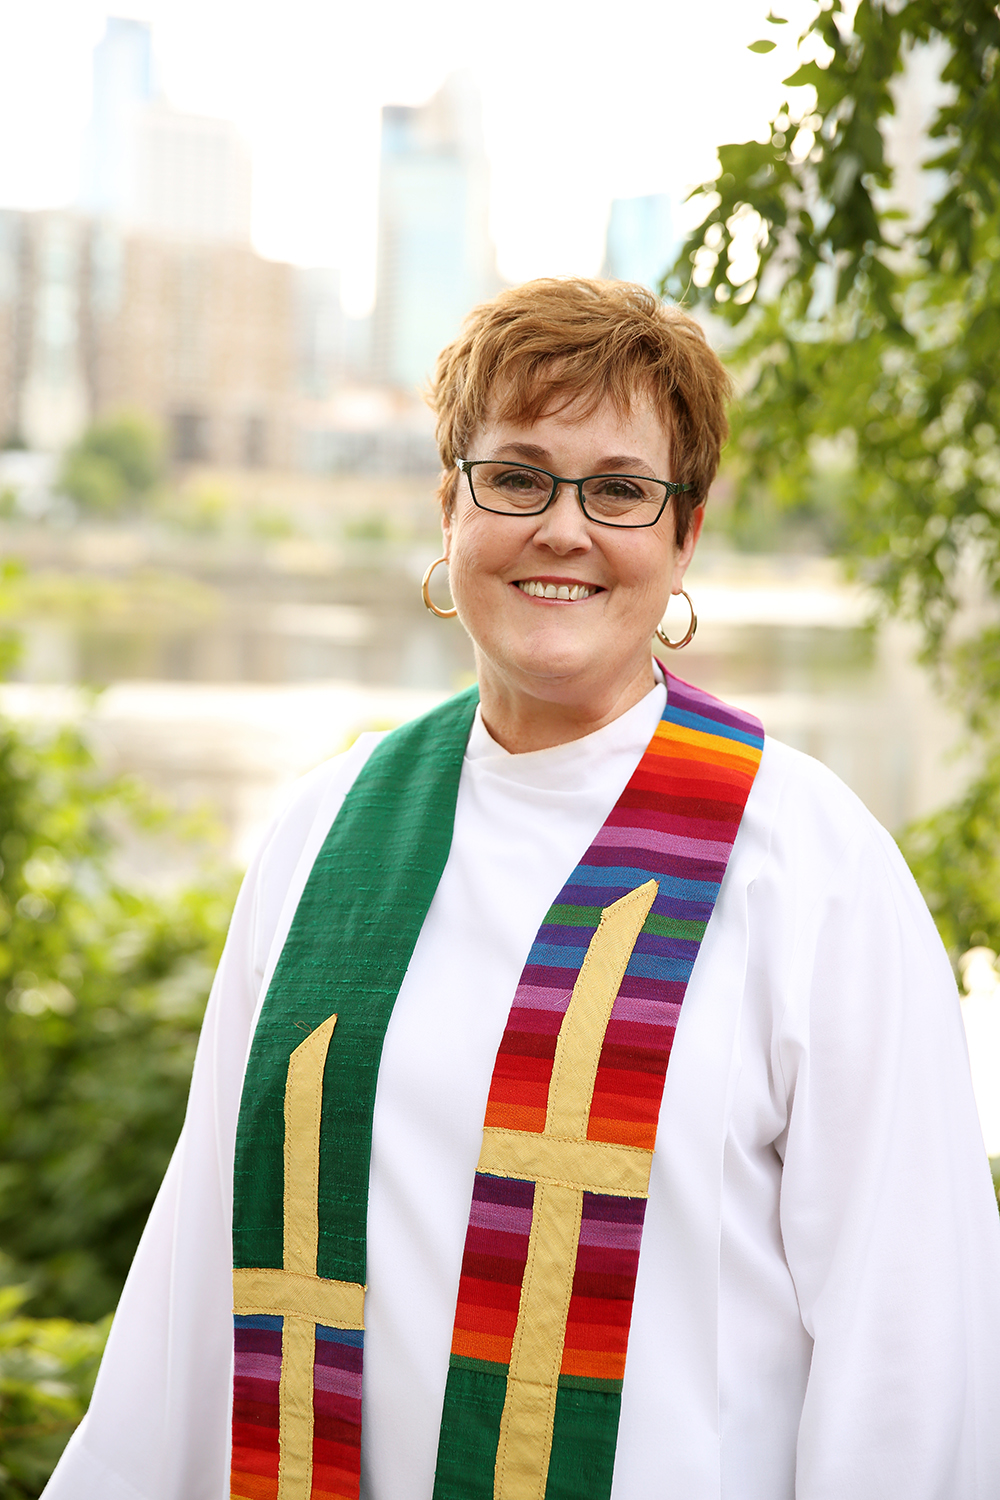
point(295, 1312)
point(631, 897)
point(557, 1071)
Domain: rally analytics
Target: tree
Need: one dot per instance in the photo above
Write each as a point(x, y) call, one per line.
point(47, 1370)
point(102, 989)
point(115, 465)
point(869, 339)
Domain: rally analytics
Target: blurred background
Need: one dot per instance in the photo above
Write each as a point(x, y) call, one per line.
point(232, 241)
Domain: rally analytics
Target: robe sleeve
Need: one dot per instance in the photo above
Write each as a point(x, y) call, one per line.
point(887, 1214)
point(158, 1424)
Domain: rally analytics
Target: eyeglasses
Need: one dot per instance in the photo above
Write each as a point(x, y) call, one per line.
point(511, 489)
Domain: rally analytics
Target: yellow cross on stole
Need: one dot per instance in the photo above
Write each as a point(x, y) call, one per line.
point(295, 1293)
point(563, 1164)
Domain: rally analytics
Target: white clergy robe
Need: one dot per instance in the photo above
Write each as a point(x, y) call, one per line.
point(817, 1310)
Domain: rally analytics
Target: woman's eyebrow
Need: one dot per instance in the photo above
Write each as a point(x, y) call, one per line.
point(623, 463)
point(620, 463)
point(525, 450)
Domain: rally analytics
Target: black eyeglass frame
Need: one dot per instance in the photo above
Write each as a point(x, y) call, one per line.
point(466, 465)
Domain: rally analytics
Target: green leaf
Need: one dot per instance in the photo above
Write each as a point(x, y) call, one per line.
point(762, 46)
point(808, 73)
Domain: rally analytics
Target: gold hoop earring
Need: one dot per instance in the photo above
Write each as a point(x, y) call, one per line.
point(692, 627)
point(444, 614)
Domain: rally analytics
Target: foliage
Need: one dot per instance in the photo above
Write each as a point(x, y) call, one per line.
point(11, 573)
point(143, 598)
point(47, 1370)
point(102, 989)
point(869, 343)
point(114, 466)
point(101, 994)
point(202, 510)
point(879, 334)
point(955, 858)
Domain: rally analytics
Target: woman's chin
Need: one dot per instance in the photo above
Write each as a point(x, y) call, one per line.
point(560, 669)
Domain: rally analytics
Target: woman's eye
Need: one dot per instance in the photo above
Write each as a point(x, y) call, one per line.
point(517, 479)
point(618, 489)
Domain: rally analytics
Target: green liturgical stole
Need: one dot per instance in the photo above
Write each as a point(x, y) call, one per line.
point(300, 1233)
point(348, 949)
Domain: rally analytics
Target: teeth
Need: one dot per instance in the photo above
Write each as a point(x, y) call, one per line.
point(538, 590)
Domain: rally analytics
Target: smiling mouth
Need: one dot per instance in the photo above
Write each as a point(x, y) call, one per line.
point(568, 592)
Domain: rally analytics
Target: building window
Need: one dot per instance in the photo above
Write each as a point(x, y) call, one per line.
point(254, 442)
point(190, 437)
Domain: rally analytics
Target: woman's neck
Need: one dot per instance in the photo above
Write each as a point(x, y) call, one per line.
point(521, 720)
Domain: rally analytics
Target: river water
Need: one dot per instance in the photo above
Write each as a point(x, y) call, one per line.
point(227, 669)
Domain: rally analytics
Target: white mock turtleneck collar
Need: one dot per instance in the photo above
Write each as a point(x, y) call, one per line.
point(627, 736)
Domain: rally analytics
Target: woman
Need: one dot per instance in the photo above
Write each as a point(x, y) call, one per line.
point(502, 907)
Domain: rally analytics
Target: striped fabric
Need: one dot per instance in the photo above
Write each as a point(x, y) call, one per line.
point(496, 1249)
point(675, 823)
point(257, 1375)
point(336, 1462)
point(600, 1309)
point(337, 1414)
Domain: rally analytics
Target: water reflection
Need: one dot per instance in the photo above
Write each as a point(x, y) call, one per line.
point(232, 669)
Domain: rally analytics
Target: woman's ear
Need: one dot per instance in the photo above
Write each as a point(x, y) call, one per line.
point(685, 551)
point(447, 495)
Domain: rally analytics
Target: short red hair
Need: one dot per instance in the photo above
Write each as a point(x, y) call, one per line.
point(537, 347)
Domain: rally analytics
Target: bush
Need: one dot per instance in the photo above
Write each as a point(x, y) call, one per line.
point(102, 990)
point(114, 466)
point(47, 1370)
point(955, 858)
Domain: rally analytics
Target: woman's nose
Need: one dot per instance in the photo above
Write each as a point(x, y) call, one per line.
point(563, 525)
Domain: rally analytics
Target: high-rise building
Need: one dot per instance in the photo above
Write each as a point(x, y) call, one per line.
point(320, 331)
point(200, 337)
point(436, 258)
point(11, 317)
point(122, 85)
point(154, 169)
point(43, 389)
point(192, 178)
point(640, 242)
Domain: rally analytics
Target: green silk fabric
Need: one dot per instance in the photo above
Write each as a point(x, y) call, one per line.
point(347, 952)
point(584, 1436)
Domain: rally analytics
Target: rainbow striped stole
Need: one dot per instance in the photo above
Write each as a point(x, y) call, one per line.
point(568, 1137)
point(538, 1355)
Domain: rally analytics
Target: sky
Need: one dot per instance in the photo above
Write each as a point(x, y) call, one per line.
point(582, 102)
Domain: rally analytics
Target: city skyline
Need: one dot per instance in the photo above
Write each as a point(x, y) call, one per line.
point(574, 115)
